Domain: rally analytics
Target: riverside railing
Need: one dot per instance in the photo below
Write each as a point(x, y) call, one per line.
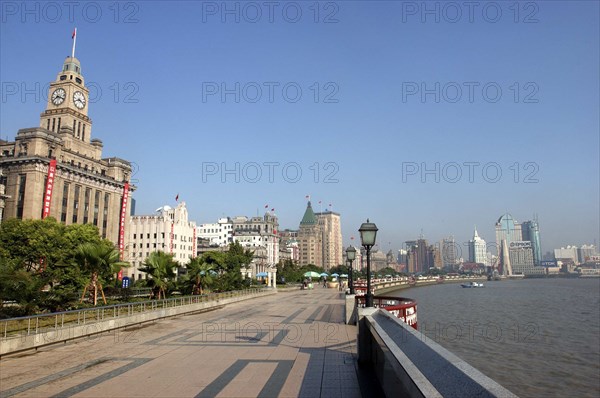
point(44, 323)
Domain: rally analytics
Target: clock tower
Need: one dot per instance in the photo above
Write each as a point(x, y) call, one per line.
point(58, 169)
point(67, 105)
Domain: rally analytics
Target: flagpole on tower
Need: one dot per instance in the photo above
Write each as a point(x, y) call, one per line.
point(74, 37)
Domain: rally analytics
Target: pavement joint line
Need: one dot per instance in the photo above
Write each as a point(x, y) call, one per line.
point(70, 371)
point(313, 316)
point(102, 378)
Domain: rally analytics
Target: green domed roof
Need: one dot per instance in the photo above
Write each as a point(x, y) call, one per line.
point(309, 216)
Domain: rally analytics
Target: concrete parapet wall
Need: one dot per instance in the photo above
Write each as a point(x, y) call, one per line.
point(74, 331)
point(407, 363)
point(350, 312)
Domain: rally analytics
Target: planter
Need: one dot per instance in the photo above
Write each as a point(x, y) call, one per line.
point(334, 285)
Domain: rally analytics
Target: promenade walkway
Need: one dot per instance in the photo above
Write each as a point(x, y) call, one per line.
point(289, 344)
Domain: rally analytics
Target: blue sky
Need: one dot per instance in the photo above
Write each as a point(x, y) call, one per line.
point(157, 71)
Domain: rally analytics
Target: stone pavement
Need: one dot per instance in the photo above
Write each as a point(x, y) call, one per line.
point(289, 344)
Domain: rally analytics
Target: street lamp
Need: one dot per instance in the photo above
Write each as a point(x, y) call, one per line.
point(368, 233)
point(350, 255)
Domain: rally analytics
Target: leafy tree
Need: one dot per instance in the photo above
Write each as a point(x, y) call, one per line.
point(21, 286)
point(160, 266)
point(289, 270)
point(35, 244)
point(237, 257)
point(387, 271)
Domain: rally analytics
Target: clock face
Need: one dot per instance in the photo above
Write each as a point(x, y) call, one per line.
point(79, 99)
point(58, 96)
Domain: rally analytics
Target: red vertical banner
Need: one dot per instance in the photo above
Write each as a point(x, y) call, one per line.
point(171, 242)
point(49, 188)
point(194, 245)
point(122, 219)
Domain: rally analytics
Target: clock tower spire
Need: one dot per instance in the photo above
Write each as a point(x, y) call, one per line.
point(67, 108)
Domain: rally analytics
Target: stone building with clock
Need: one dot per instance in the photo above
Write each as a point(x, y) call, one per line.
point(57, 169)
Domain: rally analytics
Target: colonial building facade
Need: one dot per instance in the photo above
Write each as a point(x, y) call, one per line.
point(169, 230)
point(320, 239)
point(260, 235)
point(310, 239)
point(217, 234)
point(57, 169)
point(331, 228)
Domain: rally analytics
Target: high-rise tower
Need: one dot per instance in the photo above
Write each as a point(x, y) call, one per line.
point(531, 233)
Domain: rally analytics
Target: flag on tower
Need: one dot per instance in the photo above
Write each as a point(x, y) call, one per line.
point(266, 206)
point(177, 198)
point(74, 38)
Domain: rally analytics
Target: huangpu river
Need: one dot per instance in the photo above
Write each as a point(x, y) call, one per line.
point(536, 337)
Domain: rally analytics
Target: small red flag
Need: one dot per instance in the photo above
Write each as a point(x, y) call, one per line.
point(272, 209)
point(266, 206)
point(177, 198)
point(74, 33)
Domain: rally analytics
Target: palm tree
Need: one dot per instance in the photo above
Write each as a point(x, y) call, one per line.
point(200, 270)
point(160, 266)
point(97, 259)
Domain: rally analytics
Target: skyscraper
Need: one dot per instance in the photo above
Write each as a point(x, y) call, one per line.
point(448, 250)
point(531, 233)
point(477, 249)
point(507, 230)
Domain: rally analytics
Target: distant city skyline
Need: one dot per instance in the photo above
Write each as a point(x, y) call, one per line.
point(415, 124)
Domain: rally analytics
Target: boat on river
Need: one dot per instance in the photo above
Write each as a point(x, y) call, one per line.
point(401, 307)
point(471, 284)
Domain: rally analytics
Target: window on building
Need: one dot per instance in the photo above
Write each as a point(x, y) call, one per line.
point(21, 195)
point(65, 201)
point(105, 214)
point(86, 205)
point(96, 206)
point(76, 203)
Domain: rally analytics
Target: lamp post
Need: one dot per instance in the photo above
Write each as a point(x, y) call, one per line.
point(350, 255)
point(368, 234)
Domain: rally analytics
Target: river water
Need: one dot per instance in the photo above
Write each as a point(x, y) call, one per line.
point(536, 337)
